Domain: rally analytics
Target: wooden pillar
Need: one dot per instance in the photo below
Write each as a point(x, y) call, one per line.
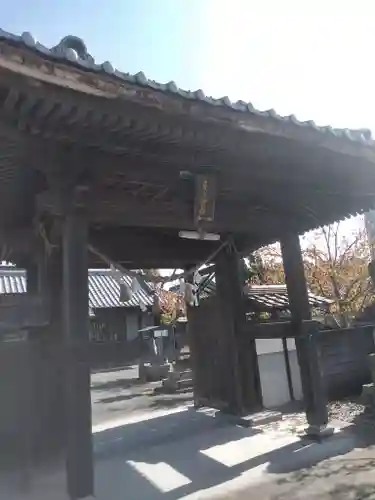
point(32, 277)
point(242, 356)
point(51, 277)
point(307, 352)
point(192, 339)
point(76, 332)
point(44, 277)
point(27, 392)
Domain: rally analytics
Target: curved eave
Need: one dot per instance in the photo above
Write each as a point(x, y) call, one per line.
point(89, 81)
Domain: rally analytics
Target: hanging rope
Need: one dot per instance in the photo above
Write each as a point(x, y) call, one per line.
point(155, 280)
point(119, 267)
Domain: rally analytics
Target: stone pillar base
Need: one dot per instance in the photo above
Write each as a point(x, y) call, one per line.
point(317, 433)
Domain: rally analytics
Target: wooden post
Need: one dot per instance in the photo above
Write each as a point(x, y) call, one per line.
point(29, 392)
point(245, 390)
point(308, 357)
point(32, 277)
point(47, 345)
point(193, 347)
point(76, 332)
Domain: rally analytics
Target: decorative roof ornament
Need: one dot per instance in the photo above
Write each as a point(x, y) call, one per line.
point(73, 48)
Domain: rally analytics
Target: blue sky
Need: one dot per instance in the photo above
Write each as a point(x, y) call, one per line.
point(311, 58)
point(161, 38)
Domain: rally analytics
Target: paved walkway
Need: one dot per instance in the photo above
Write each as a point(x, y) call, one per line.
point(115, 393)
point(184, 454)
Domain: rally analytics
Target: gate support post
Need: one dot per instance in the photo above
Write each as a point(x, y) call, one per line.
point(244, 387)
point(77, 376)
point(307, 351)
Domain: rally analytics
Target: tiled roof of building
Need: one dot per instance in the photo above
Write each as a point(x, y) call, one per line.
point(267, 296)
point(72, 51)
point(104, 291)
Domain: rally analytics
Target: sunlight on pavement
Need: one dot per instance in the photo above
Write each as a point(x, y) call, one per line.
point(141, 417)
point(239, 451)
point(164, 477)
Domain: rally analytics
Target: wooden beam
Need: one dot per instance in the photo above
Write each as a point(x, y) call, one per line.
point(141, 165)
point(78, 402)
point(273, 329)
point(149, 248)
point(247, 176)
point(114, 207)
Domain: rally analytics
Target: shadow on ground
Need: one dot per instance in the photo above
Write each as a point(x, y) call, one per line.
point(155, 401)
point(179, 454)
point(118, 384)
point(123, 393)
point(347, 476)
point(113, 369)
point(120, 397)
point(166, 402)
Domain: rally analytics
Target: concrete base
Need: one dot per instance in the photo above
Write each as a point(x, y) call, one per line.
point(253, 419)
point(316, 433)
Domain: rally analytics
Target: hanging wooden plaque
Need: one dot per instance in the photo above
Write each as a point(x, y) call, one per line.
point(205, 198)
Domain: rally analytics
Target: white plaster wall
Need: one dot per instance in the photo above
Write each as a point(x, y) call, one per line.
point(272, 371)
point(294, 368)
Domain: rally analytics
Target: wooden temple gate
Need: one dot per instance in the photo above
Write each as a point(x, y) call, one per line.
point(225, 372)
point(94, 158)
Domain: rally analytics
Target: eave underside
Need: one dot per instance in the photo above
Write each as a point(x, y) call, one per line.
point(128, 158)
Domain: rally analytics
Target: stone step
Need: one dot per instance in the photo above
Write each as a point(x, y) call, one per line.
point(187, 382)
point(176, 381)
point(186, 375)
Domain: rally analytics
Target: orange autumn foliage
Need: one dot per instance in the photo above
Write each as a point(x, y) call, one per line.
point(335, 267)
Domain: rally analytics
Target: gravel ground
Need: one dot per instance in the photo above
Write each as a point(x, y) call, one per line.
point(348, 411)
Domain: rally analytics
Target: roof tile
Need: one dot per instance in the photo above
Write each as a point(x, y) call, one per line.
point(72, 50)
point(271, 296)
point(104, 291)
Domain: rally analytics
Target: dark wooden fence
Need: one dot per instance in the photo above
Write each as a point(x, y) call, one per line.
point(344, 360)
point(209, 355)
point(15, 396)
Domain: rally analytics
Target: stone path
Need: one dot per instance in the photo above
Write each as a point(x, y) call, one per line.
point(214, 460)
point(184, 454)
point(117, 394)
point(161, 452)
